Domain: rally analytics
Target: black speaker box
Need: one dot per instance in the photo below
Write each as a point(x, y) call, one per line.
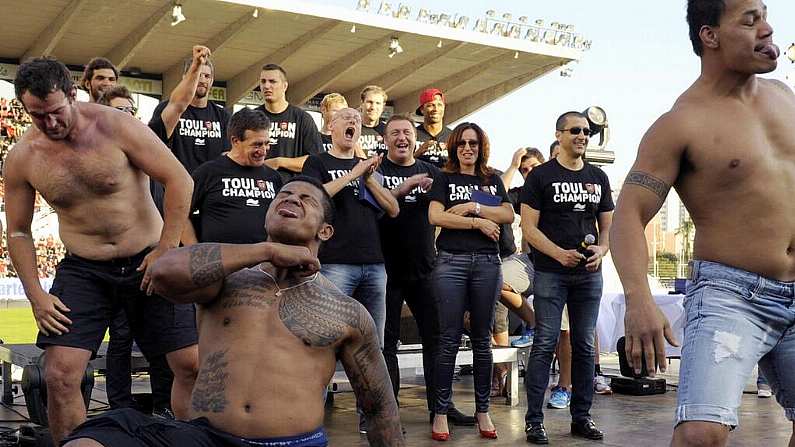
point(643, 386)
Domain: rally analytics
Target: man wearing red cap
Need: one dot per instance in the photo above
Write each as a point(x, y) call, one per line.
point(432, 133)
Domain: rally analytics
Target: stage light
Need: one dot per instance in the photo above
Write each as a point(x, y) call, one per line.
point(255, 13)
point(439, 45)
point(353, 28)
point(176, 15)
point(791, 53)
point(597, 120)
point(394, 47)
point(363, 5)
point(516, 55)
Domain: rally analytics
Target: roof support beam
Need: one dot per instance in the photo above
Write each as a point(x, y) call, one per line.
point(459, 109)
point(408, 103)
point(172, 76)
point(246, 80)
point(321, 78)
point(54, 31)
point(393, 78)
point(124, 51)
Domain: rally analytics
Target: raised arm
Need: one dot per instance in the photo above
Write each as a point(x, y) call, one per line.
point(516, 161)
point(382, 195)
point(361, 357)
point(195, 274)
point(183, 93)
point(645, 188)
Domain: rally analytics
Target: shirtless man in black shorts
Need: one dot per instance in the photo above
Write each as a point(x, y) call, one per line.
point(92, 164)
point(272, 330)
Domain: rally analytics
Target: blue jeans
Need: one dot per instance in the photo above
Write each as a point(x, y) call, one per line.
point(366, 283)
point(735, 319)
point(582, 293)
point(466, 281)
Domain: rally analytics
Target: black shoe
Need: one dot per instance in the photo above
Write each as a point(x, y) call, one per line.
point(536, 433)
point(362, 424)
point(586, 429)
point(455, 417)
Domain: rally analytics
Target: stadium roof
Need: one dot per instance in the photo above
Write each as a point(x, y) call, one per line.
point(313, 42)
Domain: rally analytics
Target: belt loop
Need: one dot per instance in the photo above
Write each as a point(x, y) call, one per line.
point(692, 270)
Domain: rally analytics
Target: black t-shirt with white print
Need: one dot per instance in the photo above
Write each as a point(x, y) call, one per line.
point(293, 134)
point(407, 240)
point(452, 189)
point(372, 140)
point(232, 200)
point(200, 134)
point(569, 203)
point(355, 239)
point(436, 154)
point(326, 141)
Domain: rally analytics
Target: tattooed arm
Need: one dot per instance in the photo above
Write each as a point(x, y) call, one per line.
point(195, 274)
point(361, 356)
point(656, 168)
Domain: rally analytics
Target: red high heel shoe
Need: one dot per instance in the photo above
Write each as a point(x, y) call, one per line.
point(440, 436)
point(488, 434)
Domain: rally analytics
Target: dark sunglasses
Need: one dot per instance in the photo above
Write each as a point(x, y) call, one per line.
point(128, 109)
point(577, 130)
point(471, 143)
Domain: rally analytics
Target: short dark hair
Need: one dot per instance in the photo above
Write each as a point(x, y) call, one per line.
point(328, 204)
point(188, 62)
point(533, 153)
point(275, 67)
point(560, 124)
point(42, 76)
point(118, 91)
point(98, 63)
point(247, 119)
point(552, 147)
point(699, 14)
point(399, 117)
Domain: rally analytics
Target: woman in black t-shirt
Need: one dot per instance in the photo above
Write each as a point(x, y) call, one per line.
point(468, 202)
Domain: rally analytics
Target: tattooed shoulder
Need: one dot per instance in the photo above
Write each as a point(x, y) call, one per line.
point(648, 181)
point(318, 313)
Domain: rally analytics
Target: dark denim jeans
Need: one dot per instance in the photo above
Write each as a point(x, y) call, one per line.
point(366, 283)
point(467, 281)
point(419, 297)
point(582, 292)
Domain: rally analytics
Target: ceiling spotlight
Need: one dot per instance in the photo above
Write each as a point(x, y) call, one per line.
point(790, 53)
point(394, 47)
point(255, 14)
point(516, 55)
point(353, 28)
point(439, 45)
point(176, 15)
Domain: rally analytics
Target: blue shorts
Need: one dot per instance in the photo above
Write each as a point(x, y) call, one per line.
point(734, 320)
point(129, 428)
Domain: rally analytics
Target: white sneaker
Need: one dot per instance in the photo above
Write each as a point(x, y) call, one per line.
point(600, 385)
point(763, 391)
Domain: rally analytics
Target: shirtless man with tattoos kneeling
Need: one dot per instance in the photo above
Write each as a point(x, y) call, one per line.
point(271, 330)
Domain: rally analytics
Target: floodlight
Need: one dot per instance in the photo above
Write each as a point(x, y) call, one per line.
point(597, 120)
point(255, 13)
point(353, 28)
point(176, 15)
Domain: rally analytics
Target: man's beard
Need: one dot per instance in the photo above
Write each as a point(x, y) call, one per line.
point(200, 94)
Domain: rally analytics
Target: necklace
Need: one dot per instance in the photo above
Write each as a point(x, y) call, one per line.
point(279, 289)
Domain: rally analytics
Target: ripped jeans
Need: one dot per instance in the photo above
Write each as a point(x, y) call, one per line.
point(734, 320)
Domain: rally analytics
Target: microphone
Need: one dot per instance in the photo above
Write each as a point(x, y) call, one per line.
point(583, 248)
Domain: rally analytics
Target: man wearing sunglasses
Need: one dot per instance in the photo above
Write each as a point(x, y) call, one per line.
point(727, 148)
point(563, 201)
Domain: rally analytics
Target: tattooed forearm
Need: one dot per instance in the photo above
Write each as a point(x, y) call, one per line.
point(208, 393)
point(205, 264)
point(648, 181)
point(369, 378)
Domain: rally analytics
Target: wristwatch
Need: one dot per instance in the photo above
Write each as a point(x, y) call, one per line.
point(477, 209)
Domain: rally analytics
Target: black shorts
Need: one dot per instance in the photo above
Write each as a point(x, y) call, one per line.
point(95, 290)
point(128, 428)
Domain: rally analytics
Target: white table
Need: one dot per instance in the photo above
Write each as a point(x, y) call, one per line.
point(610, 325)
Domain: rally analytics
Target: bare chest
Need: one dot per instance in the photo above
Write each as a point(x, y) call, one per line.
point(67, 177)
